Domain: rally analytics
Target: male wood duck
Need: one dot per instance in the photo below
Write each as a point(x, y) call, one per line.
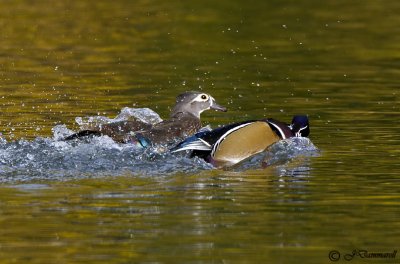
point(184, 121)
point(231, 144)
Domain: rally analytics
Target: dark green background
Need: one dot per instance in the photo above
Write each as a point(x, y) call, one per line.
point(337, 61)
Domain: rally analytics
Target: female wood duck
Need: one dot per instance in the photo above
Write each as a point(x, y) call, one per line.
point(184, 121)
point(231, 144)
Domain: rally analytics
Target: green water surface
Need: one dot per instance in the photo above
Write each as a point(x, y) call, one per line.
point(337, 61)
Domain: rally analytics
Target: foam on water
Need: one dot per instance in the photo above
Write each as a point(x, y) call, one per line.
point(53, 159)
point(50, 159)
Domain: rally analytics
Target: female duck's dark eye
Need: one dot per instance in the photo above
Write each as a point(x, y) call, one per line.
point(204, 97)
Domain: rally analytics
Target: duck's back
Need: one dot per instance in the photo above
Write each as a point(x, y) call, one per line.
point(178, 127)
point(118, 130)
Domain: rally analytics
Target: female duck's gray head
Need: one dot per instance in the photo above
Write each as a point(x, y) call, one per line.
point(195, 103)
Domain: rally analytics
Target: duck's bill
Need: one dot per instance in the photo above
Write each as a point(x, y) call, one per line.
point(218, 107)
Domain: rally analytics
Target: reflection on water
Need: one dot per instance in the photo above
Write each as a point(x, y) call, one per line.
point(97, 201)
point(218, 216)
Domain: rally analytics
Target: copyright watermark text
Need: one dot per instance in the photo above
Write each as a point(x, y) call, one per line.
point(335, 255)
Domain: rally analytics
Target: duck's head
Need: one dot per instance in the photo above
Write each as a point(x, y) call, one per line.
point(300, 126)
point(195, 103)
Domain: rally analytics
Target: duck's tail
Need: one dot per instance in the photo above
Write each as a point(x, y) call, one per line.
point(83, 133)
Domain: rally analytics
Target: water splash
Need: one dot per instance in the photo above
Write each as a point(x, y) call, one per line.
point(288, 156)
point(44, 159)
point(145, 115)
point(49, 159)
point(289, 149)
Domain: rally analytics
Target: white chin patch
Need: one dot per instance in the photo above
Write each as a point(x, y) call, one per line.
point(298, 133)
point(201, 111)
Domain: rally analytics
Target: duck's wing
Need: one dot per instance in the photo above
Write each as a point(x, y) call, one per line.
point(116, 130)
point(205, 140)
point(123, 127)
point(194, 142)
point(176, 128)
point(242, 142)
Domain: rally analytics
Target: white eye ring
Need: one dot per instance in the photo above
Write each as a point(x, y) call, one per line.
point(204, 97)
point(201, 98)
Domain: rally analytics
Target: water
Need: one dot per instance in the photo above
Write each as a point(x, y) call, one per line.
point(100, 202)
point(44, 159)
